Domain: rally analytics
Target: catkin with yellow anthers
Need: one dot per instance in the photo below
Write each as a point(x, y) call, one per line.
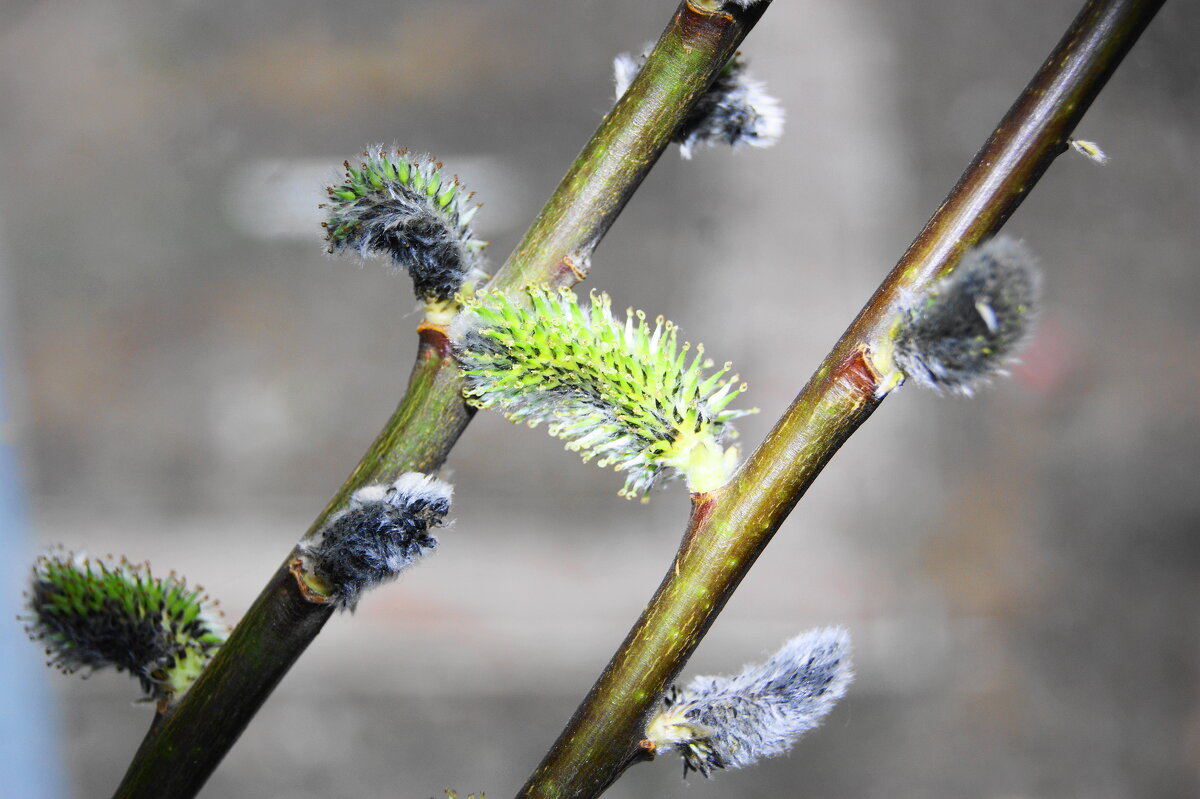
point(94, 614)
point(622, 392)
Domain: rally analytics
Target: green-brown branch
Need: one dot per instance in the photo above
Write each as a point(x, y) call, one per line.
point(729, 528)
point(187, 742)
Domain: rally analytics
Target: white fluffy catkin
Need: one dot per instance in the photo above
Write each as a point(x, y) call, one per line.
point(383, 531)
point(730, 722)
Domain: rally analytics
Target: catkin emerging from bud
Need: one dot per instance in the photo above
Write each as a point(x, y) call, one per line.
point(1089, 150)
point(383, 531)
point(730, 722)
point(93, 614)
point(620, 391)
point(736, 110)
point(969, 326)
point(404, 207)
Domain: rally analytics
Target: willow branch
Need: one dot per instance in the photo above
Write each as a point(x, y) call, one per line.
point(187, 741)
point(729, 528)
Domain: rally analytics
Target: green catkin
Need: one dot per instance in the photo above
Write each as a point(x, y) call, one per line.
point(93, 614)
point(622, 392)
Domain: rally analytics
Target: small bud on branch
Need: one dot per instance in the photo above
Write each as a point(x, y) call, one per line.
point(1089, 149)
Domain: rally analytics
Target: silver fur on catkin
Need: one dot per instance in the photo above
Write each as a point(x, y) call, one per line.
point(404, 207)
point(730, 722)
point(383, 531)
point(736, 110)
point(971, 324)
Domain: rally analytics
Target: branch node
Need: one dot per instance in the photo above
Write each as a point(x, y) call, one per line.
point(310, 594)
point(568, 265)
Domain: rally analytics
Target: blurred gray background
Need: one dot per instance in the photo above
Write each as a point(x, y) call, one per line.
point(190, 379)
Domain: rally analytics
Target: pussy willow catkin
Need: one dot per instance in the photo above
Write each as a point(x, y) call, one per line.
point(621, 391)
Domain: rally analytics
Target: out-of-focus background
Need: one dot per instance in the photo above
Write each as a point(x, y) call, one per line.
point(189, 378)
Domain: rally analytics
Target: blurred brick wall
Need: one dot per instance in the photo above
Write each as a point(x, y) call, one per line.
point(1019, 571)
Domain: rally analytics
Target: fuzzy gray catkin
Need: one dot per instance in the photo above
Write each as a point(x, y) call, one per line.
point(402, 206)
point(383, 531)
point(730, 722)
point(736, 110)
point(969, 326)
